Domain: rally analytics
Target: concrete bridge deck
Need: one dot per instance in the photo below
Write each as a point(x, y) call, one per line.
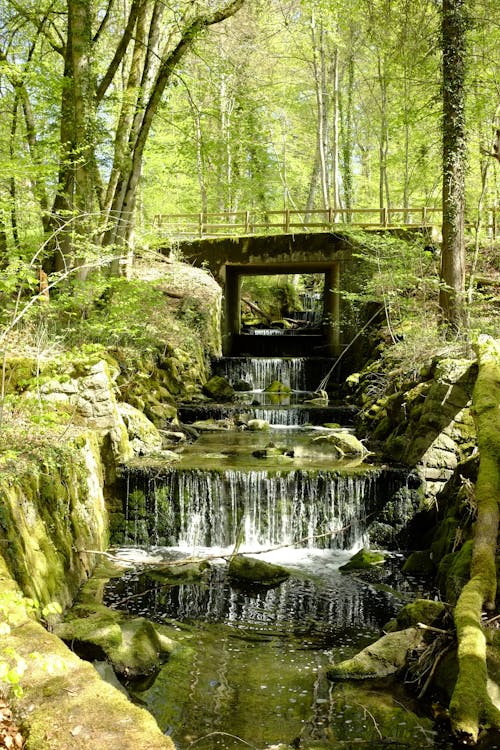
point(336, 256)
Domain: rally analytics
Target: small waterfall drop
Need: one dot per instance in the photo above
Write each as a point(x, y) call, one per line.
point(199, 508)
point(259, 372)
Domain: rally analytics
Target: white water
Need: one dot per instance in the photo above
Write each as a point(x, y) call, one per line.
point(261, 371)
point(198, 508)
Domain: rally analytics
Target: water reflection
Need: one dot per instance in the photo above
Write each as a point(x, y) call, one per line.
point(250, 666)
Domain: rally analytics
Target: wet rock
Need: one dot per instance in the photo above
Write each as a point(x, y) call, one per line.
point(363, 559)
point(385, 657)
point(252, 570)
point(143, 435)
point(420, 563)
point(258, 424)
point(219, 389)
point(133, 646)
point(204, 425)
point(345, 443)
point(242, 386)
point(274, 452)
point(181, 571)
point(277, 387)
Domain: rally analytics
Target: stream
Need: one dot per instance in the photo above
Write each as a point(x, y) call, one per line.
point(250, 667)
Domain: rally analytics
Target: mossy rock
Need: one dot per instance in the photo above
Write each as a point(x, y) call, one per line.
point(274, 452)
point(419, 563)
point(454, 571)
point(242, 386)
point(257, 425)
point(277, 387)
point(385, 657)
point(363, 560)
point(345, 443)
point(219, 389)
point(184, 571)
point(426, 611)
point(133, 646)
point(254, 571)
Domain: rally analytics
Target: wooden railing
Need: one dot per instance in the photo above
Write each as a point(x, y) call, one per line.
point(237, 223)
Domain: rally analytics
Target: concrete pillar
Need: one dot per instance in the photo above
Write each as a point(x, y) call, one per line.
point(232, 309)
point(331, 310)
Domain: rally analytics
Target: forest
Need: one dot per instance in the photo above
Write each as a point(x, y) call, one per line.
point(116, 112)
point(121, 121)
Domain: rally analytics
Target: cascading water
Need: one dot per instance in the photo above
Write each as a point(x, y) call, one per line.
point(198, 508)
point(249, 667)
point(259, 372)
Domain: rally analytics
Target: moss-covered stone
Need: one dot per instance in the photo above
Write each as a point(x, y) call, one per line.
point(219, 389)
point(385, 657)
point(425, 611)
point(419, 563)
point(363, 559)
point(133, 646)
point(277, 387)
point(255, 571)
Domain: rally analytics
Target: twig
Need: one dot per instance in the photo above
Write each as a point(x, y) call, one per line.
point(221, 734)
point(324, 382)
point(187, 560)
point(433, 669)
point(422, 626)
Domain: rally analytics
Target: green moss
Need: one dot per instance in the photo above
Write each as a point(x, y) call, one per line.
point(363, 559)
point(419, 563)
point(426, 611)
point(454, 570)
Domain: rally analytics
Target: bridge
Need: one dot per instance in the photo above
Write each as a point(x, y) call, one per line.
point(334, 255)
point(285, 243)
point(252, 221)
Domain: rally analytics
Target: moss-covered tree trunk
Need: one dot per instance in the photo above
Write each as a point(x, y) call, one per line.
point(470, 705)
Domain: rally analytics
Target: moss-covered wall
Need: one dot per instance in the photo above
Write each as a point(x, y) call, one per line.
point(52, 510)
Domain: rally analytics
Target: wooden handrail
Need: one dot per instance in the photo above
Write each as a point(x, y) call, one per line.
point(244, 222)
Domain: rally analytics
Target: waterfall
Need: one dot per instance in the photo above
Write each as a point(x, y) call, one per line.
point(198, 508)
point(260, 371)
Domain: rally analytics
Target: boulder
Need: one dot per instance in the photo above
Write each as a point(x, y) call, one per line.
point(133, 646)
point(363, 559)
point(277, 387)
point(258, 424)
point(255, 571)
point(420, 563)
point(242, 386)
point(274, 452)
point(219, 389)
point(143, 435)
point(385, 657)
point(344, 443)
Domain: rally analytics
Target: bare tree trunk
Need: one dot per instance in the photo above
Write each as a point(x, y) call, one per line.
point(319, 71)
point(335, 134)
point(347, 139)
point(451, 295)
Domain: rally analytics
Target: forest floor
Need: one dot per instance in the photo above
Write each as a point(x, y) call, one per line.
point(11, 737)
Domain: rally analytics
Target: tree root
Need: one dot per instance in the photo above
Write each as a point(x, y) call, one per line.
point(470, 705)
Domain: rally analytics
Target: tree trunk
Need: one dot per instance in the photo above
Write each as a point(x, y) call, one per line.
point(470, 704)
point(335, 134)
point(347, 141)
point(451, 295)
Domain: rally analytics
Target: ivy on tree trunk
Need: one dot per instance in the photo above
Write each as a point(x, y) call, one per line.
point(451, 296)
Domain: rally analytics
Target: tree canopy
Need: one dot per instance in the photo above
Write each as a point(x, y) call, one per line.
point(117, 110)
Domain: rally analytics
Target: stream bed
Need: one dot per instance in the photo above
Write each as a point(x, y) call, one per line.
point(250, 668)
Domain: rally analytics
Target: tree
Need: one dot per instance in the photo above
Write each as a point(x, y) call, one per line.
point(98, 177)
point(451, 295)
